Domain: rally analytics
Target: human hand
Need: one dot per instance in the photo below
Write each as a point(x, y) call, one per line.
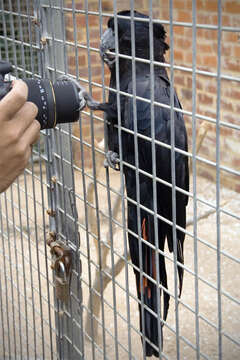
point(18, 131)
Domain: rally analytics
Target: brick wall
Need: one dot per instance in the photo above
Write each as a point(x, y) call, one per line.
point(206, 59)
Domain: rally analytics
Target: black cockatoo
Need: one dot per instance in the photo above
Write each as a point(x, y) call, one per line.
point(140, 188)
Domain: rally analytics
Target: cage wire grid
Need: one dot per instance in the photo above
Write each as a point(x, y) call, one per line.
point(88, 201)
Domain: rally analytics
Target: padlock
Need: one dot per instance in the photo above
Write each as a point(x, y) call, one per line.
point(62, 283)
point(62, 266)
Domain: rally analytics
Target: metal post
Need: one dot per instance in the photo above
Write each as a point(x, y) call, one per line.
point(61, 189)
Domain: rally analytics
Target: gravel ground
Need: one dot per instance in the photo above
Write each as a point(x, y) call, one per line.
point(22, 301)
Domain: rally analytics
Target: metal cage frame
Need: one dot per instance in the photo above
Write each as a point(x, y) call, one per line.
point(83, 208)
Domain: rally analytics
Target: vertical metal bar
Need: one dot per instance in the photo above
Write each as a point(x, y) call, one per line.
point(84, 185)
point(112, 264)
point(61, 143)
point(11, 275)
point(53, 226)
point(74, 206)
point(135, 128)
point(58, 136)
point(173, 176)
point(30, 264)
point(103, 77)
point(5, 280)
point(38, 260)
point(154, 173)
point(21, 35)
point(38, 35)
point(29, 242)
point(6, 311)
point(110, 217)
point(13, 37)
point(4, 31)
point(122, 182)
point(33, 182)
point(194, 172)
point(112, 254)
point(218, 194)
point(32, 51)
point(109, 208)
point(2, 311)
point(46, 258)
point(87, 237)
point(23, 269)
point(95, 185)
point(17, 275)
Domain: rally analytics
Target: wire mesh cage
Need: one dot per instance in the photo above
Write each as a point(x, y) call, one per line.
point(69, 193)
